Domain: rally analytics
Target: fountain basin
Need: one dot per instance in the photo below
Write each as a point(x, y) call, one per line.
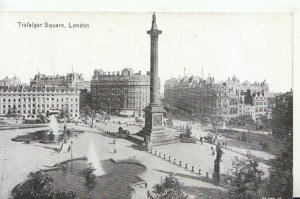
point(116, 183)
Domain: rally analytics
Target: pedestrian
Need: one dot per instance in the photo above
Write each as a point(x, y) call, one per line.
point(212, 148)
point(213, 152)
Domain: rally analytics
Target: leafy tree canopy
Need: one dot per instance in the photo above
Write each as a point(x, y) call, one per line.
point(244, 178)
point(170, 188)
point(40, 186)
point(282, 116)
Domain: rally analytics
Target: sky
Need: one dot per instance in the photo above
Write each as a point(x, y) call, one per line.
point(251, 46)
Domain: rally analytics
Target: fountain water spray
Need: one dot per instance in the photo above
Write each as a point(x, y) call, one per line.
point(53, 125)
point(93, 158)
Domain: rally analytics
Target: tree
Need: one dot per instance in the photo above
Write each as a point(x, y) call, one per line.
point(64, 113)
point(41, 117)
point(87, 111)
point(85, 98)
point(11, 112)
point(280, 183)
point(40, 186)
point(245, 119)
point(282, 116)
point(170, 188)
point(90, 177)
point(209, 138)
point(244, 178)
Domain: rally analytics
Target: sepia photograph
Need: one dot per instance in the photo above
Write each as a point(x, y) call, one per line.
point(146, 105)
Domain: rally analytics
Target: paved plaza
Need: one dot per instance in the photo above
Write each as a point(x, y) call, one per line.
point(18, 159)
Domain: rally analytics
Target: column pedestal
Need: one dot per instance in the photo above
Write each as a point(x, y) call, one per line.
point(154, 132)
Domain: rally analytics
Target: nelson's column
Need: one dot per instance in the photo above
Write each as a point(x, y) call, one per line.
point(154, 131)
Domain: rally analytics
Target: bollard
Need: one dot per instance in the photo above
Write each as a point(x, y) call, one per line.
point(192, 168)
point(164, 156)
point(179, 163)
point(199, 172)
point(206, 174)
point(186, 165)
point(155, 152)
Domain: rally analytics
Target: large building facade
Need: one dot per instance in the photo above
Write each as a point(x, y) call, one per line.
point(122, 92)
point(71, 80)
point(30, 101)
point(206, 98)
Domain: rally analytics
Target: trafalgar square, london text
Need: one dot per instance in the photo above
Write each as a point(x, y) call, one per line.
point(51, 25)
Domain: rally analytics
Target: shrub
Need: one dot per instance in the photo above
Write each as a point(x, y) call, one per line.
point(170, 188)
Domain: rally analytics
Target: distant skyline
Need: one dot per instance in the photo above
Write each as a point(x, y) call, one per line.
point(251, 46)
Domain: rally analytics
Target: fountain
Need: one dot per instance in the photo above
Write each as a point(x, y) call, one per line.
point(93, 158)
point(53, 125)
point(54, 128)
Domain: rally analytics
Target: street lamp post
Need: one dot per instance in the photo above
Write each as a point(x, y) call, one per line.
point(71, 148)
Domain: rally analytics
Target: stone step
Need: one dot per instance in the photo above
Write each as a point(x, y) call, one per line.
point(135, 139)
point(155, 140)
